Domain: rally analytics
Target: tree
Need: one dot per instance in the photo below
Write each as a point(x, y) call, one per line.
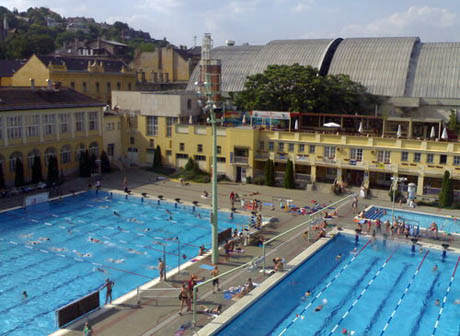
point(303, 89)
point(289, 181)
point(53, 170)
point(157, 158)
point(105, 163)
point(2, 178)
point(19, 173)
point(37, 175)
point(85, 170)
point(446, 195)
point(269, 173)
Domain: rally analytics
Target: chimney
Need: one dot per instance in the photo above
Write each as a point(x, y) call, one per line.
point(49, 83)
point(32, 83)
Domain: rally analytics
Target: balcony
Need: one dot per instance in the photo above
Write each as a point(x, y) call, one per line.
point(261, 155)
point(240, 159)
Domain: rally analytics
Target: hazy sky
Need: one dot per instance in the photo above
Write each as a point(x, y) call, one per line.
point(259, 21)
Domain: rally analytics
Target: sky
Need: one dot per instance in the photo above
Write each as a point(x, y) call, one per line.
point(183, 22)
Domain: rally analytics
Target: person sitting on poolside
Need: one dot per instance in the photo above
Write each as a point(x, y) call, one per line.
point(217, 310)
point(204, 194)
point(321, 234)
point(202, 250)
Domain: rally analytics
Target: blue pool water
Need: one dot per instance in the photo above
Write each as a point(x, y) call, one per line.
point(68, 266)
point(363, 293)
point(446, 224)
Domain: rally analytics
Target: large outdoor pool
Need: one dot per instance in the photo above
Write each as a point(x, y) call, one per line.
point(46, 250)
point(375, 288)
point(424, 220)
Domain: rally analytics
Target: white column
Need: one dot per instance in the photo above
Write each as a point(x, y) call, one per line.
point(24, 136)
point(86, 123)
point(40, 128)
point(58, 129)
point(71, 121)
point(4, 132)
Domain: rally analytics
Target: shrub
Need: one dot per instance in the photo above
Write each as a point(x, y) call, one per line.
point(446, 195)
point(157, 158)
point(259, 180)
point(289, 181)
point(105, 163)
point(269, 173)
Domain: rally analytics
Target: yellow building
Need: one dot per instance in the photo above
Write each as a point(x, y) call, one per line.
point(318, 156)
point(112, 136)
point(166, 64)
point(47, 122)
point(95, 78)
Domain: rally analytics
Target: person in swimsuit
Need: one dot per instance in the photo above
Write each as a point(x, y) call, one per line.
point(108, 294)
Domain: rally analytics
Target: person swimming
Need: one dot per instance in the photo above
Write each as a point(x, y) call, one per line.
point(116, 213)
point(24, 295)
point(338, 256)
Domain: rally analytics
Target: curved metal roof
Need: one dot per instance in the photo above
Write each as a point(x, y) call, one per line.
point(437, 74)
point(380, 64)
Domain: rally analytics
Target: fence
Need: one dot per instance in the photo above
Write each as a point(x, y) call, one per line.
point(156, 290)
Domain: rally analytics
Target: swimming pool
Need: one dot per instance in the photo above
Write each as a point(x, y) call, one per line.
point(447, 224)
point(68, 266)
point(378, 289)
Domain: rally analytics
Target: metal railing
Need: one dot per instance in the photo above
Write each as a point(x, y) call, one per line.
point(139, 292)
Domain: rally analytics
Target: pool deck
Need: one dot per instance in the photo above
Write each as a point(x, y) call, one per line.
point(125, 317)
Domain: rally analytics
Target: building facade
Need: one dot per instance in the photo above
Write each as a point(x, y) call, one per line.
point(47, 122)
point(95, 78)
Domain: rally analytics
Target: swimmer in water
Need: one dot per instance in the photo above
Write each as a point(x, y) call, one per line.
point(58, 249)
point(24, 295)
point(437, 302)
point(307, 293)
point(94, 240)
point(147, 230)
point(338, 256)
point(44, 238)
point(435, 268)
point(26, 235)
point(116, 213)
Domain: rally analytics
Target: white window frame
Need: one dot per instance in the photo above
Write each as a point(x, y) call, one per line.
point(32, 125)
point(66, 155)
point(301, 148)
point(417, 157)
point(383, 156)
point(404, 156)
point(430, 158)
point(79, 121)
point(49, 124)
point(93, 124)
point(151, 126)
point(457, 160)
point(329, 152)
point(170, 121)
point(63, 123)
point(14, 126)
point(356, 154)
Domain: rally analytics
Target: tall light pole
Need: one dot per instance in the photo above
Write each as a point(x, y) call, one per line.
point(208, 88)
point(395, 180)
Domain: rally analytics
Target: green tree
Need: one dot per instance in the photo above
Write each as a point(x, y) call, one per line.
point(37, 175)
point(19, 173)
point(302, 89)
point(105, 163)
point(157, 158)
point(446, 195)
point(2, 177)
point(53, 170)
point(289, 181)
point(452, 124)
point(269, 173)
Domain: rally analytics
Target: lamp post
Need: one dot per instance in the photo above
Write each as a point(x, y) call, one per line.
point(395, 180)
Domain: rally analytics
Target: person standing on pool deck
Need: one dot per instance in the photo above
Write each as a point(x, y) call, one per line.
point(215, 282)
point(87, 330)
point(108, 294)
point(161, 269)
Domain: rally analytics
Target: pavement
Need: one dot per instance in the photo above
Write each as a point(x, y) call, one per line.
point(160, 316)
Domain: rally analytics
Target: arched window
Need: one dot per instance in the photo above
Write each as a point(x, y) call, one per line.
point(118, 86)
point(65, 154)
point(94, 149)
point(50, 151)
point(79, 150)
point(13, 158)
point(189, 104)
point(2, 162)
point(31, 156)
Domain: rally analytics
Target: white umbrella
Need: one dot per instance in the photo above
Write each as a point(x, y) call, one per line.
point(296, 125)
point(190, 120)
point(398, 133)
point(244, 119)
point(331, 124)
point(360, 129)
point(444, 134)
point(433, 132)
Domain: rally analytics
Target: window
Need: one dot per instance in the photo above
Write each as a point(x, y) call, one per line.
point(72, 85)
point(280, 147)
point(79, 151)
point(456, 160)
point(131, 140)
point(93, 122)
point(189, 104)
point(109, 87)
point(64, 123)
point(50, 152)
point(383, 156)
point(31, 157)
point(301, 148)
point(118, 86)
point(356, 154)
point(291, 147)
point(181, 156)
point(32, 125)
point(329, 152)
point(79, 121)
point(271, 146)
point(49, 124)
point(442, 159)
point(200, 158)
point(152, 126)
point(417, 157)
point(168, 152)
point(65, 154)
point(199, 148)
point(404, 156)
point(181, 146)
point(429, 158)
point(311, 149)
point(110, 126)
point(219, 150)
point(110, 149)
point(170, 121)
point(151, 143)
point(261, 145)
point(13, 159)
point(221, 160)
point(97, 87)
point(85, 88)
point(14, 127)
point(94, 149)
point(129, 86)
